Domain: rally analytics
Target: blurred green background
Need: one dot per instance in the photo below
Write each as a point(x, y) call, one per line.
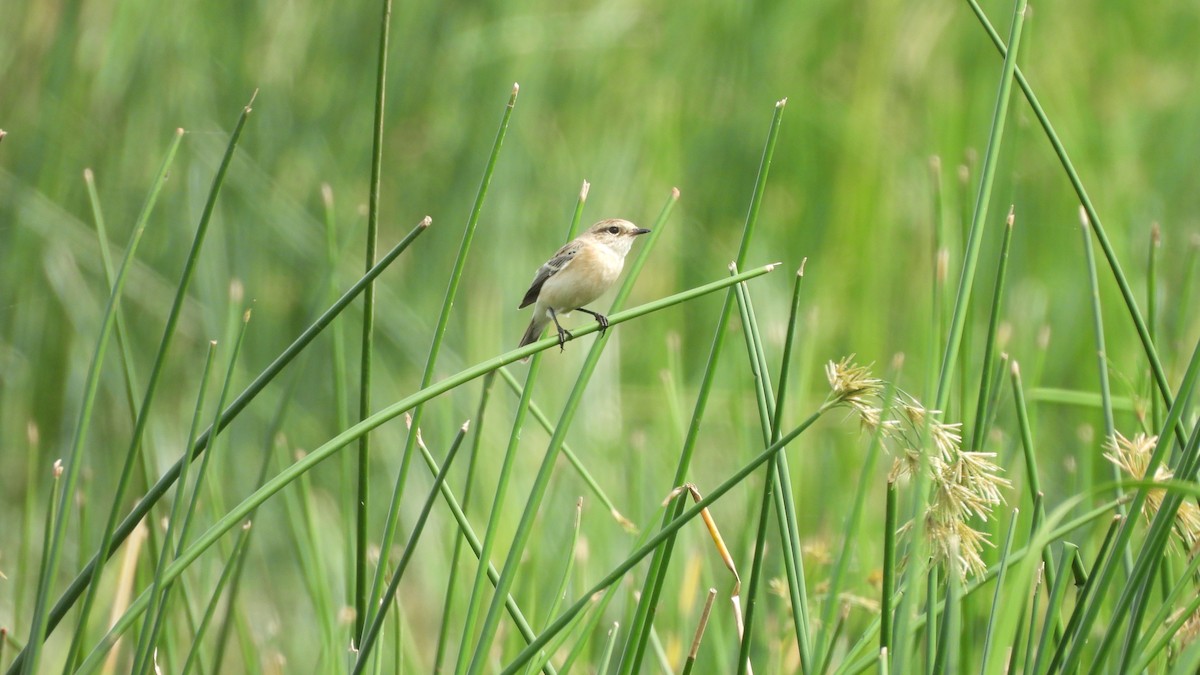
point(636, 98)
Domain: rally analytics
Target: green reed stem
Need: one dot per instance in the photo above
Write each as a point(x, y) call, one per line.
point(950, 631)
point(156, 492)
point(472, 462)
point(496, 516)
point(989, 348)
point(1149, 647)
point(1002, 569)
point(367, 352)
point(228, 572)
point(1106, 401)
point(1072, 630)
point(659, 537)
point(1157, 541)
point(439, 334)
point(971, 255)
point(468, 534)
point(41, 624)
point(156, 596)
point(389, 595)
point(570, 454)
point(888, 587)
point(1075, 655)
point(777, 487)
point(643, 619)
point(1110, 255)
point(1054, 604)
point(234, 517)
point(542, 481)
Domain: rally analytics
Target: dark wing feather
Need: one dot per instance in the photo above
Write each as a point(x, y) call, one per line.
point(561, 259)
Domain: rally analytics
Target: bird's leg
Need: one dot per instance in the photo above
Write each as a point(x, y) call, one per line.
point(600, 318)
point(563, 333)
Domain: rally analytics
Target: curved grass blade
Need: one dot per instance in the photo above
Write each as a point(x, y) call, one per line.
point(439, 334)
point(389, 595)
point(542, 480)
point(643, 619)
point(983, 198)
point(42, 623)
point(156, 492)
point(1143, 331)
point(659, 537)
point(444, 632)
point(235, 516)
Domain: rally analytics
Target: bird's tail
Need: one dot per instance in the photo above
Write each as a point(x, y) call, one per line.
point(536, 325)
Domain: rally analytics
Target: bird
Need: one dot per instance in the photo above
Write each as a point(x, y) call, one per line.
point(577, 274)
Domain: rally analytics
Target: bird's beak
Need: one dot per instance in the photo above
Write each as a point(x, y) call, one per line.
point(641, 230)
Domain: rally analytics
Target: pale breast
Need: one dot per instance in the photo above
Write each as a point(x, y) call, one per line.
point(586, 278)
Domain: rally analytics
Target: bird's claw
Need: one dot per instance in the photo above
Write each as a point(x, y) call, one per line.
point(563, 336)
point(603, 321)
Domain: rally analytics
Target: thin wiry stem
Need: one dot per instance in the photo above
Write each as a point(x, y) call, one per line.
point(643, 619)
point(971, 255)
point(41, 623)
point(367, 340)
point(439, 334)
point(239, 404)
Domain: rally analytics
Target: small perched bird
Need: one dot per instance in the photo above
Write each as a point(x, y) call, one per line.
point(578, 273)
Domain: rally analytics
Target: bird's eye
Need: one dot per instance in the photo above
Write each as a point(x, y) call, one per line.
point(614, 230)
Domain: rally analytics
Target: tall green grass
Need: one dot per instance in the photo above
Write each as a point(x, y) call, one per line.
point(843, 502)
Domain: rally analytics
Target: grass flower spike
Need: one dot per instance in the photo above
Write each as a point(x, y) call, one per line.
point(964, 485)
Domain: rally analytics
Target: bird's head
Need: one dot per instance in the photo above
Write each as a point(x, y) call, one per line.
point(615, 233)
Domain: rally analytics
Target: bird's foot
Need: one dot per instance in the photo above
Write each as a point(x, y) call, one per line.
point(563, 336)
point(600, 319)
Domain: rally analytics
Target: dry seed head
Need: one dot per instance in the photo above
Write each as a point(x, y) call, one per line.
point(955, 539)
point(907, 464)
point(852, 384)
point(963, 484)
point(872, 421)
point(947, 438)
point(1133, 455)
point(1190, 629)
point(982, 476)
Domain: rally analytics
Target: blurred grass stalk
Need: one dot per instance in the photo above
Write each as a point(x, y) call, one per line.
point(234, 517)
point(913, 597)
point(49, 566)
point(777, 485)
point(542, 480)
point(639, 629)
point(439, 334)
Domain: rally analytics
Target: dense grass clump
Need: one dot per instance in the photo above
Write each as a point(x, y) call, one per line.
point(260, 413)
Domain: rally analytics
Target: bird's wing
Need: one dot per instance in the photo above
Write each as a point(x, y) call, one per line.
point(553, 266)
